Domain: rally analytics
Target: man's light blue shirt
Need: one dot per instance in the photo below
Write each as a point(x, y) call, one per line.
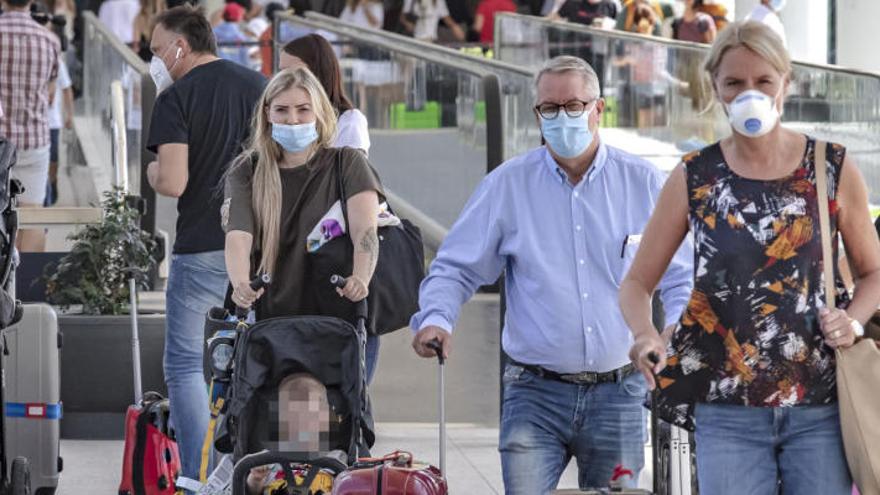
point(564, 248)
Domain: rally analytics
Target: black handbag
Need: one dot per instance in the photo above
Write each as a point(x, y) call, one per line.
point(394, 288)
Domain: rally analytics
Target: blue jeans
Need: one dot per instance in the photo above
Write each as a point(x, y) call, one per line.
point(196, 282)
point(546, 422)
point(751, 449)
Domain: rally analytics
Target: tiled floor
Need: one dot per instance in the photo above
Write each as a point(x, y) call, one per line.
point(473, 466)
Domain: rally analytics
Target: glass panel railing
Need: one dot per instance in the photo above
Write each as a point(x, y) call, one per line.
point(660, 103)
point(519, 127)
point(106, 59)
point(428, 116)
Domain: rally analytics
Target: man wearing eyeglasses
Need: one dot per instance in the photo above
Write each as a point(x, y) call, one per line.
point(564, 222)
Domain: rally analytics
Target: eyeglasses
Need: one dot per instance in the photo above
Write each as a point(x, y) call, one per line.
point(573, 108)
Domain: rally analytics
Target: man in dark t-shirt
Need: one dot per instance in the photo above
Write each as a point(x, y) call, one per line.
point(200, 121)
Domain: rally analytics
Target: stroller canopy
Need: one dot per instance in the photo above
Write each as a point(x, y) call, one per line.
point(325, 347)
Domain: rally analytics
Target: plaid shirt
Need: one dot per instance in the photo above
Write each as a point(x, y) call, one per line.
point(28, 62)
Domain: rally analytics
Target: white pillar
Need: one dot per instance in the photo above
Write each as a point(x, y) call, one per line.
point(743, 7)
point(806, 27)
point(857, 34)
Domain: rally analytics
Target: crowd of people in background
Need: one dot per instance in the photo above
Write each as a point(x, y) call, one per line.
point(696, 21)
point(244, 34)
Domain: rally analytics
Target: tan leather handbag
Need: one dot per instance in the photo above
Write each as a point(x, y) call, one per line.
point(858, 369)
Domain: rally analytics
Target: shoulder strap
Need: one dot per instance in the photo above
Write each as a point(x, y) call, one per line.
point(824, 221)
point(340, 188)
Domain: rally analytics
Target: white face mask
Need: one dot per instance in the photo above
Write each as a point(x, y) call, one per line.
point(160, 74)
point(752, 113)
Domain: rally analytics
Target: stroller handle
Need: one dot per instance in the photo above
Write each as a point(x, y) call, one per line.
point(339, 281)
point(259, 282)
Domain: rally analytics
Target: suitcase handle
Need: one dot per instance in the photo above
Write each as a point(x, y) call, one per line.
point(438, 348)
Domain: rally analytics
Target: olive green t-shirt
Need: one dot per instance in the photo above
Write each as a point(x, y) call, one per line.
point(307, 194)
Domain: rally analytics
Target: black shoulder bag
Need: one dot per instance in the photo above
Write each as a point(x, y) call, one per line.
point(394, 288)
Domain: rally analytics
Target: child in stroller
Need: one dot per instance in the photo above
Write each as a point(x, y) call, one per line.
point(304, 428)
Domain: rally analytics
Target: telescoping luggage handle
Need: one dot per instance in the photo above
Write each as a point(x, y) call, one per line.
point(438, 348)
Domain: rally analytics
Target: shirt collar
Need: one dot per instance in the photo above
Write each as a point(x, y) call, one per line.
point(598, 164)
point(10, 13)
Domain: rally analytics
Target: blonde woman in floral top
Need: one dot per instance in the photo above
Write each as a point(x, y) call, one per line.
point(752, 363)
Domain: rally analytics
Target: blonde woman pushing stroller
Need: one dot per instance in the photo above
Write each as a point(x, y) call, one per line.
point(281, 200)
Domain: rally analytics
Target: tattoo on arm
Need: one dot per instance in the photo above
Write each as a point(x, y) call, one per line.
point(370, 244)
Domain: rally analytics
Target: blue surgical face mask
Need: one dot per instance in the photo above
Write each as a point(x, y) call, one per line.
point(777, 5)
point(567, 136)
point(294, 138)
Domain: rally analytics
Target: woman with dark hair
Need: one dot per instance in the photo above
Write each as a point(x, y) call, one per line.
point(315, 53)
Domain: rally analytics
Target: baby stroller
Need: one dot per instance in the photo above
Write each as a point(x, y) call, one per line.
point(331, 350)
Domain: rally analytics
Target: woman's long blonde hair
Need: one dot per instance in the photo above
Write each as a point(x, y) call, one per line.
point(754, 35)
point(266, 181)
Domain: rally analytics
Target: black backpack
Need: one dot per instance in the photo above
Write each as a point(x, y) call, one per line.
point(10, 309)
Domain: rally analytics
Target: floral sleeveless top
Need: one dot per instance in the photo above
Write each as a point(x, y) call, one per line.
point(750, 334)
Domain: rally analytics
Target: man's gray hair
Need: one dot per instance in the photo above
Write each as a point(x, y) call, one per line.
point(567, 63)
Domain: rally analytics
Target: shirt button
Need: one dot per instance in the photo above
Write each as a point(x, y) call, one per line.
point(586, 295)
point(590, 362)
point(581, 262)
point(576, 194)
point(589, 329)
point(578, 228)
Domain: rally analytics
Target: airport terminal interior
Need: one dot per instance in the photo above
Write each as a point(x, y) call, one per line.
point(447, 90)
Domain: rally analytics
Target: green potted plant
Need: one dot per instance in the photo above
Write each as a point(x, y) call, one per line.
point(96, 271)
point(90, 285)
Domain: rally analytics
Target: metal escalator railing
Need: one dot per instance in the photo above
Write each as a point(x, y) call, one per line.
point(657, 93)
point(67, 216)
point(519, 130)
point(105, 60)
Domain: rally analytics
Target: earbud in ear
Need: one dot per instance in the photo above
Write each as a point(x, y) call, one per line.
point(177, 55)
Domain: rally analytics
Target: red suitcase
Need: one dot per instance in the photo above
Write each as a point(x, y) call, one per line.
point(397, 474)
point(394, 474)
point(152, 462)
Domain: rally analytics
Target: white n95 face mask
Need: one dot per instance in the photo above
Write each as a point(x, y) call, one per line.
point(160, 74)
point(752, 113)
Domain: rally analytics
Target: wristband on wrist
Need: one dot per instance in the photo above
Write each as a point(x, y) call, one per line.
point(857, 328)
